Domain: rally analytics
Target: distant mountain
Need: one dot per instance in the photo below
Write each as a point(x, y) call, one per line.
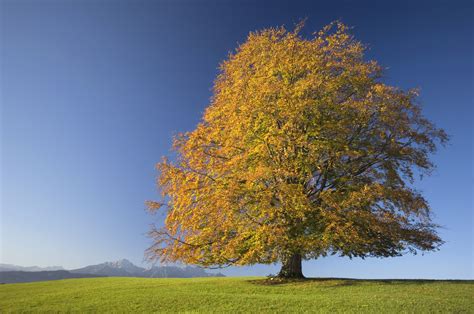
point(125, 268)
point(177, 272)
point(10, 267)
point(30, 276)
point(121, 268)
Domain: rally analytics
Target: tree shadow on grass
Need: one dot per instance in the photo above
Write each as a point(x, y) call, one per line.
point(351, 281)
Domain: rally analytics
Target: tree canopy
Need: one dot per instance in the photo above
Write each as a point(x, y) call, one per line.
point(303, 151)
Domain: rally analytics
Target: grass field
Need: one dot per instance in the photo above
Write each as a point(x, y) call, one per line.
point(232, 295)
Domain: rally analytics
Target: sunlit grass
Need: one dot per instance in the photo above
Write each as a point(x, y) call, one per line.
point(243, 294)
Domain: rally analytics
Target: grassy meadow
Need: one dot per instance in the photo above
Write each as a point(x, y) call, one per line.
point(232, 295)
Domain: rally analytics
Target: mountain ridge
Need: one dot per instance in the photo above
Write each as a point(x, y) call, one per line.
point(120, 268)
point(125, 268)
point(12, 267)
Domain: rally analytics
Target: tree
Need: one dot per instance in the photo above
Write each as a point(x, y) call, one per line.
point(304, 151)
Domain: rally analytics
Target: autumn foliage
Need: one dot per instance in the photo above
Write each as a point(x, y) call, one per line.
point(303, 151)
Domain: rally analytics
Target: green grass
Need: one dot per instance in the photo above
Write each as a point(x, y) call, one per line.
point(233, 295)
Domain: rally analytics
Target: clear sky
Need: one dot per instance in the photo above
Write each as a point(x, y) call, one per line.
point(93, 91)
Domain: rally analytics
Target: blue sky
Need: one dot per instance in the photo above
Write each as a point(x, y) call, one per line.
point(93, 91)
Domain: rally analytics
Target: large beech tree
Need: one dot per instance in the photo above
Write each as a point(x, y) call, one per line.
point(303, 151)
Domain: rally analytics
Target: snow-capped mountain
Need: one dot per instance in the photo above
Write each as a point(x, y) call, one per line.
point(121, 267)
point(125, 268)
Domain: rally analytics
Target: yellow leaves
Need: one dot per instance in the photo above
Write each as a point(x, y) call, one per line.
point(302, 148)
point(153, 206)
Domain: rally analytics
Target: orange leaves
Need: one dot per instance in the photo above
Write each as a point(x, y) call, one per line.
point(303, 149)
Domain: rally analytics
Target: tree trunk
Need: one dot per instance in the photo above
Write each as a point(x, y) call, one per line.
point(291, 267)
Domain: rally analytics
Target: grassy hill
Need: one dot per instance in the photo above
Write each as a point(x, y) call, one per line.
point(238, 295)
